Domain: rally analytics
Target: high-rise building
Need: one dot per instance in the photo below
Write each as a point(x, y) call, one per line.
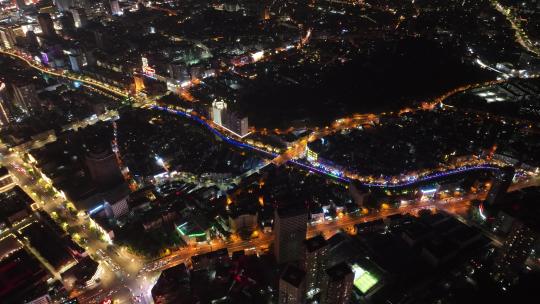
point(82, 4)
point(79, 17)
point(103, 166)
point(338, 284)
point(512, 255)
point(24, 97)
point(292, 286)
point(315, 251)
point(4, 109)
point(290, 226)
point(31, 39)
point(115, 7)
point(76, 60)
point(229, 119)
point(7, 38)
point(46, 23)
point(99, 38)
point(20, 4)
point(10, 35)
point(63, 5)
point(67, 21)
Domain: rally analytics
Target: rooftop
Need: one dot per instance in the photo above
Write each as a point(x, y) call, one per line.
point(293, 275)
point(338, 272)
point(315, 243)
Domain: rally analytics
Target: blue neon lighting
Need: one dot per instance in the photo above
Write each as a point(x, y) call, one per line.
point(335, 174)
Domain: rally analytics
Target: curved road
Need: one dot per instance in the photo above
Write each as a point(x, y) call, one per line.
point(223, 134)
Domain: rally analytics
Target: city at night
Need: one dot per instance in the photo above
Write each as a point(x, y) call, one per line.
point(269, 151)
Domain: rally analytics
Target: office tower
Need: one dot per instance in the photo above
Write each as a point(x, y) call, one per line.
point(76, 60)
point(115, 7)
point(338, 284)
point(79, 17)
point(7, 39)
point(82, 4)
point(24, 97)
point(46, 24)
point(63, 5)
point(10, 35)
point(20, 4)
point(99, 38)
point(512, 255)
point(31, 39)
point(292, 286)
point(218, 107)
point(290, 226)
point(103, 166)
point(67, 21)
point(500, 186)
point(315, 251)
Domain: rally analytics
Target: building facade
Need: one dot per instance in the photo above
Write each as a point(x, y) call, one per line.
point(292, 286)
point(290, 227)
point(337, 285)
point(315, 254)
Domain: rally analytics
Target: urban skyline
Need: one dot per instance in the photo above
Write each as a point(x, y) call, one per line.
point(333, 152)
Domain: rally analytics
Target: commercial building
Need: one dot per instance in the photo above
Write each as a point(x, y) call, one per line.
point(292, 286)
point(290, 226)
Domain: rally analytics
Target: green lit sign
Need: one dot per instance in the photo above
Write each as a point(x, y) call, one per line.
point(363, 279)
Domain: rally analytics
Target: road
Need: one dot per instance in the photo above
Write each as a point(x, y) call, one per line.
point(293, 153)
point(457, 206)
point(118, 264)
point(126, 272)
point(521, 36)
point(327, 228)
